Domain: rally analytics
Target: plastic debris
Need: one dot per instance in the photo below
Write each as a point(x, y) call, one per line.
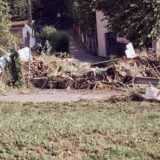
point(152, 93)
point(4, 60)
point(24, 54)
point(130, 52)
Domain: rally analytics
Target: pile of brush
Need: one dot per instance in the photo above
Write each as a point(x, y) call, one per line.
point(38, 68)
point(63, 73)
point(144, 65)
point(46, 66)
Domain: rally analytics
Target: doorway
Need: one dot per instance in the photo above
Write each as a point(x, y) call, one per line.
point(111, 44)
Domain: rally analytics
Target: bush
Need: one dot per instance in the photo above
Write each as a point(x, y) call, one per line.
point(58, 41)
point(16, 68)
point(6, 37)
point(62, 44)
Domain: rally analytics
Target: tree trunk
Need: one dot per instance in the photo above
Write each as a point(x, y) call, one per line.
point(29, 12)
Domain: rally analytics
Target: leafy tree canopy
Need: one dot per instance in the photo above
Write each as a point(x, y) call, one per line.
point(137, 20)
point(5, 36)
point(50, 8)
point(40, 8)
point(84, 14)
point(18, 9)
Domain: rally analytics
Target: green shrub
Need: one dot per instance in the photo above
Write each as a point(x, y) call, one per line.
point(58, 41)
point(46, 33)
point(16, 68)
point(62, 44)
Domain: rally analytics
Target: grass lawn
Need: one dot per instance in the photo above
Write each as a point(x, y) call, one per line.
point(81, 130)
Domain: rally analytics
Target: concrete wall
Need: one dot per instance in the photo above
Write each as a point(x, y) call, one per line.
point(101, 34)
point(101, 30)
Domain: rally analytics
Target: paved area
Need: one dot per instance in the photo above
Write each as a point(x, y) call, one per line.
point(57, 96)
point(78, 52)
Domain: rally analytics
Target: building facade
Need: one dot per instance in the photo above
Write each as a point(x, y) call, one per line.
point(108, 44)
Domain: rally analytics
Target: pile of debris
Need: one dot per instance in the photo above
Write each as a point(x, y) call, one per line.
point(38, 68)
point(50, 65)
point(90, 80)
point(54, 72)
point(63, 73)
point(144, 65)
point(66, 73)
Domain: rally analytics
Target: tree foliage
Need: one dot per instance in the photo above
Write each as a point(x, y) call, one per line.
point(5, 35)
point(18, 9)
point(84, 14)
point(40, 8)
point(16, 68)
point(50, 8)
point(137, 20)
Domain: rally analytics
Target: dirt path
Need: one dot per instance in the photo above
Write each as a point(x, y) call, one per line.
point(78, 52)
point(57, 96)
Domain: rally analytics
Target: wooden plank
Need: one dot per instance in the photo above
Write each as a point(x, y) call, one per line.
point(147, 80)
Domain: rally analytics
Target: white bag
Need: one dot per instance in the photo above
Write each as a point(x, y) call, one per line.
point(24, 54)
point(152, 93)
point(130, 52)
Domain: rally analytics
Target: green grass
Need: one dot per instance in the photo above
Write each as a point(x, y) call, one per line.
point(81, 130)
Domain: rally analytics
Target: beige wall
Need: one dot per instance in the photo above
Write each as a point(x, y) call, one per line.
point(101, 30)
